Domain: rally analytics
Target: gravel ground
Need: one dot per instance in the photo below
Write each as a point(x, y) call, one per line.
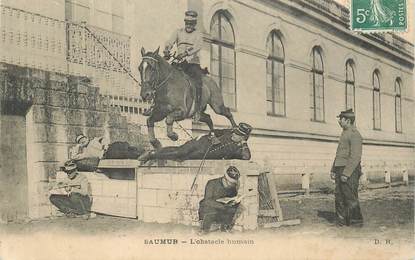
point(388, 233)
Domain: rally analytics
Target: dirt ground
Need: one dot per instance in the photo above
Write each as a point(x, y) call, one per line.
point(388, 233)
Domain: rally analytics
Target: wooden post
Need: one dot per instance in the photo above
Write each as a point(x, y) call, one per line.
point(405, 176)
point(363, 178)
point(388, 177)
point(274, 196)
point(268, 180)
point(305, 182)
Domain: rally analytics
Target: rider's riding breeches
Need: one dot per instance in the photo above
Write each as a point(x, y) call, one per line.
point(194, 70)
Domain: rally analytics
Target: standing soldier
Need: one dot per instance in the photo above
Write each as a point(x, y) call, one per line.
point(346, 171)
point(189, 42)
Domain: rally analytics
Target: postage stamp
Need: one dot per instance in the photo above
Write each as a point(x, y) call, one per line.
point(379, 15)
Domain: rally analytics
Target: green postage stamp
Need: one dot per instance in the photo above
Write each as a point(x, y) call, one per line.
point(379, 15)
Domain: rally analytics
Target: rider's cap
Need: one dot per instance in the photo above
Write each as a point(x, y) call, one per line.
point(347, 114)
point(243, 129)
point(69, 166)
point(190, 16)
point(232, 174)
point(79, 137)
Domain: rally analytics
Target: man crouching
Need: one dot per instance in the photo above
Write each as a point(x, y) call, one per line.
point(211, 210)
point(75, 198)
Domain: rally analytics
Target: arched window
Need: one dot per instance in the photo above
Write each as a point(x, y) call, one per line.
point(222, 59)
point(350, 86)
point(398, 106)
point(376, 100)
point(317, 89)
point(275, 75)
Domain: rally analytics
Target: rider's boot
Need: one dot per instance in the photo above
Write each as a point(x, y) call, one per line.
point(196, 116)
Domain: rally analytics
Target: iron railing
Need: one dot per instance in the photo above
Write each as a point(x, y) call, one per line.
point(97, 47)
point(34, 40)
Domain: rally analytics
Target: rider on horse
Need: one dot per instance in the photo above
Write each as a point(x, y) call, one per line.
point(189, 41)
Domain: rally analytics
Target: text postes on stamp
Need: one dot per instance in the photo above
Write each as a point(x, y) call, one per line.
point(379, 15)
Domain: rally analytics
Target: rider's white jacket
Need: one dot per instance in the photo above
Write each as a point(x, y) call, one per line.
point(189, 43)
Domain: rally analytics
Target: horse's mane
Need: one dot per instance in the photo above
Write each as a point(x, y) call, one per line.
point(161, 60)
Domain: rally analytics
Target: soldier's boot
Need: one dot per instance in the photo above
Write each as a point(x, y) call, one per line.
point(340, 220)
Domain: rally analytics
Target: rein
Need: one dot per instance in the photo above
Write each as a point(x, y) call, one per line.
point(156, 86)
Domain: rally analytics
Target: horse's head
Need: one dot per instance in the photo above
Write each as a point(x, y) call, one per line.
point(150, 72)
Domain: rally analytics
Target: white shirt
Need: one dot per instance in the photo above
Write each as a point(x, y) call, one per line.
point(190, 43)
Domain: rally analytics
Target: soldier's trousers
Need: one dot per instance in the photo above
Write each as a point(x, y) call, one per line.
point(347, 198)
point(87, 164)
point(222, 217)
point(74, 203)
point(195, 72)
point(193, 147)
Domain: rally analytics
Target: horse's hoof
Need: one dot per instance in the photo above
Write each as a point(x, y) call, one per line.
point(144, 157)
point(156, 144)
point(173, 136)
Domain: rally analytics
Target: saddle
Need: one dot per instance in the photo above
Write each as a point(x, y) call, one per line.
point(191, 82)
point(180, 66)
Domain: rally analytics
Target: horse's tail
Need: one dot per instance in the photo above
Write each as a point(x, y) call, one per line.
point(213, 94)
point(189, 99)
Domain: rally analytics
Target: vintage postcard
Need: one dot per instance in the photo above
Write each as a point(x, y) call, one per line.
point(207, 129)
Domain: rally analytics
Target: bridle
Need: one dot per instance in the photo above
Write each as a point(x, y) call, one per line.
point(156, 85)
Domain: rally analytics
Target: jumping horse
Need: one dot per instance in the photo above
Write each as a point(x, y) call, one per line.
point(172, 93)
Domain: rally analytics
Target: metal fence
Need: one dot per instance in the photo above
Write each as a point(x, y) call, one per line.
point(38, 41)
point(83, 47)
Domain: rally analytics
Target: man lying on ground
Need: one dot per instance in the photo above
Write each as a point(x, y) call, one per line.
point(87, 153)
point(226, 144)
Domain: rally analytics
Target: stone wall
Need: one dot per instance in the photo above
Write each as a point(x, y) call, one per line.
point(13, 202)
point(164, 192)
point(57, 108)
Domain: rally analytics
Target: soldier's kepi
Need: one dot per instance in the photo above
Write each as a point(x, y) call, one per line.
point(189, 42)
point(346, 171)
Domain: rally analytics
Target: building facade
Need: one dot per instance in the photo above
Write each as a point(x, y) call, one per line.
point(289, 67)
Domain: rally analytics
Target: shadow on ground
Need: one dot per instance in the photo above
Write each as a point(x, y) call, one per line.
point(388, 213)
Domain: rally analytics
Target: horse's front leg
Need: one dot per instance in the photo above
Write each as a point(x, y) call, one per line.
point(155, 117)
point(176, 115)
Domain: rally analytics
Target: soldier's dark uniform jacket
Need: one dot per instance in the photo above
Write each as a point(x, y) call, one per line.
point(349, 151)
point(347, 163)
point(227, 148)
point(205, 148)
point(210, 210)
point(215, 190)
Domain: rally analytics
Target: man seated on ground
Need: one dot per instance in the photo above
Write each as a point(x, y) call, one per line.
point(87, 153)
point(74, 198)
point(226, 144)
point(210, 210)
